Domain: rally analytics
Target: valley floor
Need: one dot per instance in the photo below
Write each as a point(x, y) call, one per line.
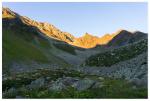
point(63, 83)
point(80, 82)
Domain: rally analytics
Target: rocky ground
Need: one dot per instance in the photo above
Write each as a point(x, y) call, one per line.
point(64, 83)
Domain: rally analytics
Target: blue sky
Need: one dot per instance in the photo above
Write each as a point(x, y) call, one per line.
point(94, 18)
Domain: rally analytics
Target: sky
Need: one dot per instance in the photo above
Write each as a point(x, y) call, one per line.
point(97, 18)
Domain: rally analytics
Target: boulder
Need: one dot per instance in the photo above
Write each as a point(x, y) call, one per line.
point(69, 80)
point(62, 83)
point(12, 92)
point(57, 85)
point(19, 97)
point(40, 82)
point(100, 78)
point(138, 82)
point(98, 85)
point(83, 84)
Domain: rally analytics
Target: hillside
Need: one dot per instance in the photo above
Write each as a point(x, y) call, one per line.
point(125, 37)
point(25, 48)
point(114, 56)
point(45, 28)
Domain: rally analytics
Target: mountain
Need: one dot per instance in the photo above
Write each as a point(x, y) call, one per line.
point(25, 47)
point(118, 38)
point(90, 41)
point(125, 37)
point(86, 41)
point(106, 38)
point(45, 28)
point(116, 55)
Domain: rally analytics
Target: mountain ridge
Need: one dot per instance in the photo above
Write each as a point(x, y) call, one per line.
point(85, 41)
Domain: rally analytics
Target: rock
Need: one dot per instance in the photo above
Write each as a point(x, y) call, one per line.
point(57, 86)
point(19, 97)
point(98, 85)
point(134, 87)
point(137, 82)
point(12, 92)
point(100, 78)
point(83, 84)
point(62, 83)
point(48, 78)
point(69, 80)
point(40, 82)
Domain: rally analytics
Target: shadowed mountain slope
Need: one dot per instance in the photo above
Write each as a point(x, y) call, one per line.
point(125, 37)
point(24, 46)
point(116, 55)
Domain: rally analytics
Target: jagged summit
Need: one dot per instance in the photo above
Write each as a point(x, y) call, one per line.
point(87, 35)
point(7, 13)
point(46, 28)
point(85, 41)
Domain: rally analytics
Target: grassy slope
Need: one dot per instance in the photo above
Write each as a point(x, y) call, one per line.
point(15, 48)
point(109, 58)
point(65, 47)
point(19, 46)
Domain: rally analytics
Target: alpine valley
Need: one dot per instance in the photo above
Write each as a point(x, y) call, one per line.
point(41, 61)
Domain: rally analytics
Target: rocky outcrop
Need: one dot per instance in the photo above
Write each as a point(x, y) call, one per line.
point(62, 83)
point(7, 13)
point(77, 83)
point(38, 83)
point(84, 84)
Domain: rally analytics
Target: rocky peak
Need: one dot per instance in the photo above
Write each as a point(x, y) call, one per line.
point(124, 37)
point(122, 31)
point(87, 35)
point(6, 12)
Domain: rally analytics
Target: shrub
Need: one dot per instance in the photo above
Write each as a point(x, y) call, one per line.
point(109, 58)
